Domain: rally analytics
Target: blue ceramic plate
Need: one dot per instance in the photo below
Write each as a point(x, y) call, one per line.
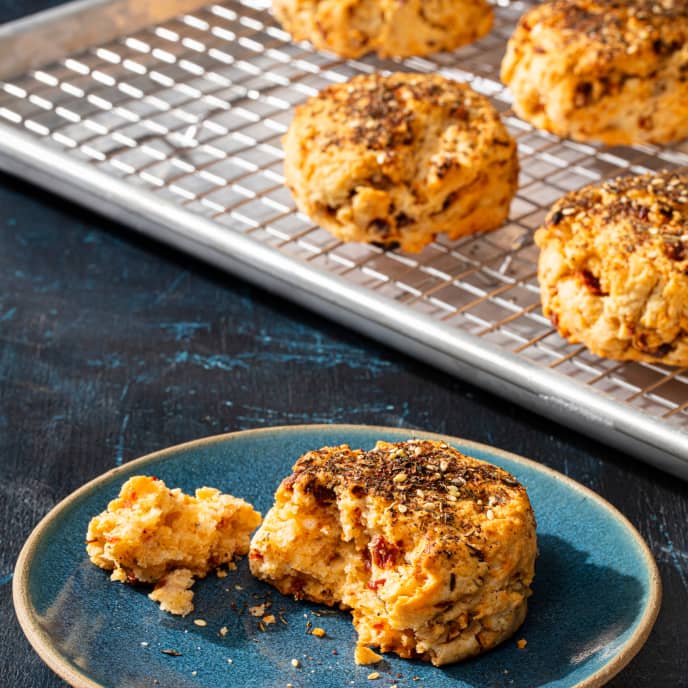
point(596, 593)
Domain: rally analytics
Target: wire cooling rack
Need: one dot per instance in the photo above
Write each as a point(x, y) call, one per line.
point(191, 111)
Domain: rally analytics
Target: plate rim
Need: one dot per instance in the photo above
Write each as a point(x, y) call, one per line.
point(39, 639)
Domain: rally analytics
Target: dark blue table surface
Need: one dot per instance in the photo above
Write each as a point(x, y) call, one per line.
point(112, 346)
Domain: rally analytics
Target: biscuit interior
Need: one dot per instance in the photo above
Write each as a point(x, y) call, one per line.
point(397, 159)
point(432, 551)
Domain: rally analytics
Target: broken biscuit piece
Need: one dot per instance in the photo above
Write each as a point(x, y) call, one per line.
point(154, 534)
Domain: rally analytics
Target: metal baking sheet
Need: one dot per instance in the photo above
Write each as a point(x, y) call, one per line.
point(168, 116)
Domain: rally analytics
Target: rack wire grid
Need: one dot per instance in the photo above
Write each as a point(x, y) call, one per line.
point(193, 110)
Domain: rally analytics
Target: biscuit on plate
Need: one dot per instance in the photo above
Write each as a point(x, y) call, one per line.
point(432, 551)
point(614, 71)
point(613, 267)
point(390, 28)
point(395, 160)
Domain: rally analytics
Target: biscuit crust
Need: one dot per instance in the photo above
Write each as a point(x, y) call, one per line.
point(614, 71)
point(390, 28)
point(395, 160)
point(613, 268)
point(432, 551)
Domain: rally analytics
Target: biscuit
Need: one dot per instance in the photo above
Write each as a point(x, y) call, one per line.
point(153, 534)
point(390, 28)
point(613, 268)
point(432, 551)
point(396, 159)
point(614, 71)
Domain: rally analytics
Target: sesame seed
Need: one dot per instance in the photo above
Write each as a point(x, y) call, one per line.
point(399, 477)
point(402, 508)
point(374, 676)
point(295, 663)
point(200, 622)
point(490, 514)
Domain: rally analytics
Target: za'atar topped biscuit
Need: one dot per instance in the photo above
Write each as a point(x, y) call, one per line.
point(431, 550)
point(390, 28)
point(614, 71)
point(395, 160)
point(613, 267)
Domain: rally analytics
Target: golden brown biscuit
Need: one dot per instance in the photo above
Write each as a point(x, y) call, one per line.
point(432, 551)
point(613, 268)
point(391, 28)
point(153, 534)
point(396, 159)
point(614, 71)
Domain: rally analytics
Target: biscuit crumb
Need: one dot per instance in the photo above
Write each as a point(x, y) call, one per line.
point(258, 610)
point(269, 619)
point(295, 663)
point(173, 593)
point(522, 643)
point(223, 631)
point(364, 655)
point(318, 632)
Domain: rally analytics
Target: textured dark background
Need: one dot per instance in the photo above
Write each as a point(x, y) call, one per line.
point(112, 346)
